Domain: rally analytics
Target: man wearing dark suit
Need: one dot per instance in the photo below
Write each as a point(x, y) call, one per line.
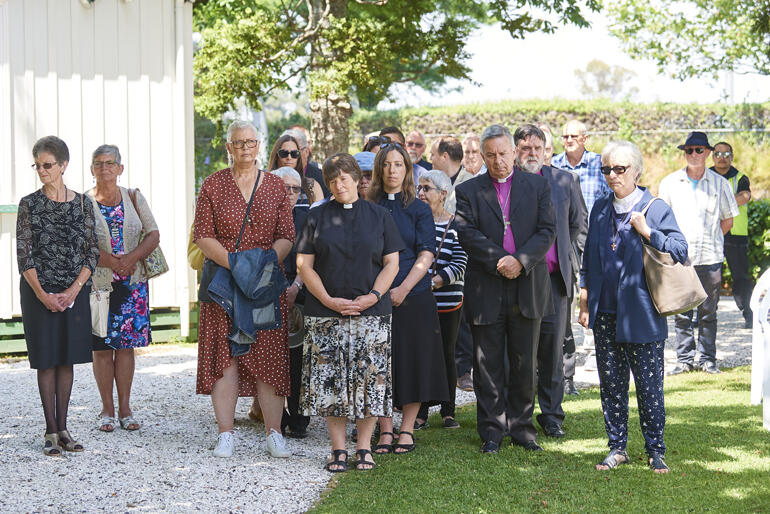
point(571, 222)
point(506, 225)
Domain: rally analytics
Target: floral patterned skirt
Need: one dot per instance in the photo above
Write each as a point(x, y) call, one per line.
point(346, 367)
point(128, 322)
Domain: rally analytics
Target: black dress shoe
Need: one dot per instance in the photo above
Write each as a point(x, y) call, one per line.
point(490, 447)
point(710, 367)
point(554, 430)
point(420, 425)
point(682, 367)
point(531, 446)
point(297, 433)
point(569, 387)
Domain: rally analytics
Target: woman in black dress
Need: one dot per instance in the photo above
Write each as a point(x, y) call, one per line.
point(347, 255)
point(57, 252)
point(418, 364)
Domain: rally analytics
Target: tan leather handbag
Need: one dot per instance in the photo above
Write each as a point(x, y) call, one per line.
point(674, 287)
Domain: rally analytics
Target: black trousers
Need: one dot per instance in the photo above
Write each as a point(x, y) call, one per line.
point(464, 347)
point(738, 261)
point(570, 355)
point(450, 323)
point(292, 418)
point(506, 407)
point(550, 366)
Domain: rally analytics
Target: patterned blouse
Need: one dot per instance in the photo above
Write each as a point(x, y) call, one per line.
point(56, 238)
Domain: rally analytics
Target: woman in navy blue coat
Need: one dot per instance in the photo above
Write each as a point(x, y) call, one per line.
point(614, 301)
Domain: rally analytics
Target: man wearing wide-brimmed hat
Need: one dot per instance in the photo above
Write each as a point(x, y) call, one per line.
point(704, 206)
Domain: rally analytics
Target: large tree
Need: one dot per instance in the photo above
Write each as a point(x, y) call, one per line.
point(339, 48)
point(696, 37)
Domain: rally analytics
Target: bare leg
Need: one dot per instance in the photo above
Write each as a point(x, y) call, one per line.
point(104, 373)
point(124, 377)
point(386, 425)
point(365, 429)
point(46, 384)
point(336, 428)
point(409, 414)
point(272, 406)
point(224, 396)
point(64, 375)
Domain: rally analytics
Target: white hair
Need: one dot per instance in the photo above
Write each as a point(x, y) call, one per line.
point(439, 179)
point(240, 125)
point(628, 149)
point(287, 172)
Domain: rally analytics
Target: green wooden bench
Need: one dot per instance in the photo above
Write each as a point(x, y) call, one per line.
point(165, 329)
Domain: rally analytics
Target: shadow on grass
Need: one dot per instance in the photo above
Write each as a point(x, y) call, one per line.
point(717, 450)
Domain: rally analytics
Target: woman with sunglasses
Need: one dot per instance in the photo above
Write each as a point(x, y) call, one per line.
point(614, 301)
point(447, 276)
point(286, 152)
point(57, 252)
point(418, 369)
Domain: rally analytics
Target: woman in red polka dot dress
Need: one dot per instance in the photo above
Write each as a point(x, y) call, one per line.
point(220, 210)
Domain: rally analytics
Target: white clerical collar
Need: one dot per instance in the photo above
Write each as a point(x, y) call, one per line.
point(391, 196)
point(504, 180)
point(347, 205)
point(625, 204)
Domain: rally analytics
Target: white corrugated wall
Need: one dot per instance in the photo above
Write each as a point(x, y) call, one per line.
point(116, 72)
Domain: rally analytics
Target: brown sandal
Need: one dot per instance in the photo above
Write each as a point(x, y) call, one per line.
point(68, 442)
point(51, 446)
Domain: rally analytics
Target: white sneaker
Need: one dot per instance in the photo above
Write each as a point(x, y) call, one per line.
point(225, 445)
point(276, 445)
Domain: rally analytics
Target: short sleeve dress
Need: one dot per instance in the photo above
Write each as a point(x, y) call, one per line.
point(219, 212)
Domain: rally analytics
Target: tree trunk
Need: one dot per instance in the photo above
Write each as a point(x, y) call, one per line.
point(330, 107)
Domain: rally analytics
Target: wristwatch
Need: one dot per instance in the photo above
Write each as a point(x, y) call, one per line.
point(376, 293)
point(298, 284)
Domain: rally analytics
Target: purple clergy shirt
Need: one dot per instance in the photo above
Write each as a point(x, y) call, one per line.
point(551, 258)
point(503, 190)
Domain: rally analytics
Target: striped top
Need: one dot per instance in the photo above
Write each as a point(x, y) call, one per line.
point(451, 262)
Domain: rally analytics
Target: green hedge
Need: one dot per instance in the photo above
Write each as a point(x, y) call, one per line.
point(759, 237)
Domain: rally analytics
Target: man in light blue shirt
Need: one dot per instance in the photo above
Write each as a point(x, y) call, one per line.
point(586, 164)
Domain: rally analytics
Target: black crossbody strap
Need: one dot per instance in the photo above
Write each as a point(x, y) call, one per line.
point(248, 209)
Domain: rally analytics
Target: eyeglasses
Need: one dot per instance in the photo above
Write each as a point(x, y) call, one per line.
point(285, 153)
point(698, 150)
point(292, 189)
point(45, 165)
point(426, 189)
point(240, 143)
point(619, 170)
point(722, 154)
point(414, 144)
point(103, 164)
point(567, 137)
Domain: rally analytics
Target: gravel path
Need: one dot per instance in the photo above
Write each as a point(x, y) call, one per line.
point(167, 465)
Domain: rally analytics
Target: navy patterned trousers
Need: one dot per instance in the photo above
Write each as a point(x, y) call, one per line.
point(614, 361)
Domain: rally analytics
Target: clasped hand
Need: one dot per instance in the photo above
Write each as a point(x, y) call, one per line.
point(59, 302)
point(509, 267)
point(123, 265)
point(352, 307)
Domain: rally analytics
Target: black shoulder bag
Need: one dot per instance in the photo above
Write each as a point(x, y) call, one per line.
point(210, 267)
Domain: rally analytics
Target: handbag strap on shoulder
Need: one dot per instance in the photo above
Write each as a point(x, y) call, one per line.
point(248, 209)
point(646, 207)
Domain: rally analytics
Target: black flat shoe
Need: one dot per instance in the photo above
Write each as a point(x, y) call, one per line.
point(341, 464)
point(531, 446)
point(450, 422)
point(299, 433)
point(553, 430)
point(680, 368)
point(490, 447)
point(420, 425)
point(710, 367)
point(382, 449)
point(406, 448)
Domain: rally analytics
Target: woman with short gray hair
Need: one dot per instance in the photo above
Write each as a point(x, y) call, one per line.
point(447, 274)
point(123, 215)
point(614, 301)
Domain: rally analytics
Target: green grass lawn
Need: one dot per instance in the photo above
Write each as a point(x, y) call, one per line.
point(718, 453)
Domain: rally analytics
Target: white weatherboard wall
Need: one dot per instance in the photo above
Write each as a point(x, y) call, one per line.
point(111, 71)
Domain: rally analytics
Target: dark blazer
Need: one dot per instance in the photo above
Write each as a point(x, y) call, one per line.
point(480, 226)
point(637, 319)
point(571, 219)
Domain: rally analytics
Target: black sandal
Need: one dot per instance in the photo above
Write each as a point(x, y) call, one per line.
point(387, 448)
point(406, 447)
point(610, 460)
point(361, 461)
point(342, 463)
point(657, 463)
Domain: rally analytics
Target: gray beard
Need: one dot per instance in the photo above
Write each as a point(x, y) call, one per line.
point(530, 167)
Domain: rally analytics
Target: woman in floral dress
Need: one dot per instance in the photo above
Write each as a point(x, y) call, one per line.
point(118, 229)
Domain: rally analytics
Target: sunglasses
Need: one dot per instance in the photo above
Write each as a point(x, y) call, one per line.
point(45, 165)
point(619, 170)
point(292, 189)
point(391, 144)
point(413, 144)
point(285, 153)
point(378, 140)
point(426, 189)
point(723, 154)
point(240, 143)
point(698, 150)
